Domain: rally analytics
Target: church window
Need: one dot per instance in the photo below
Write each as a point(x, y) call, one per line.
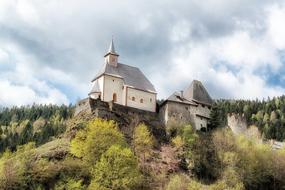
point(133, 99)
point(114, 97)
point(141, 101)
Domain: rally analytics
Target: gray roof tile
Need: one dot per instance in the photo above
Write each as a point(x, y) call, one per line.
point(197, 92)
point(95, 87)
point(132, 76)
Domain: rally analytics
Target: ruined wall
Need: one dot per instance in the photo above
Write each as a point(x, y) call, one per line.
point(237, 123)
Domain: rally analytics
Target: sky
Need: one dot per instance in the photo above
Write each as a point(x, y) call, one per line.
point(50, 50)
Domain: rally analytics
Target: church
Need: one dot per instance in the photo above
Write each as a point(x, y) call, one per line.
point(127, 87)
point(123, 84)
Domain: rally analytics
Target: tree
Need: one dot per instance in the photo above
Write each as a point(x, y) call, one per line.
point(116, 169)
point(215, 117)
point(143, 141)
point(98, 136)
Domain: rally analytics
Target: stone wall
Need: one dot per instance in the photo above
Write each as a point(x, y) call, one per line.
point(237, 123)
point(83, 106)
point(185, 113)
point(126, 117)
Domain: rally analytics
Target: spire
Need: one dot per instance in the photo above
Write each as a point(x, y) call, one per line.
point(111, 56)
point(112, 48)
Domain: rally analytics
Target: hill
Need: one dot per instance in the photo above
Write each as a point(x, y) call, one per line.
point(48, 148)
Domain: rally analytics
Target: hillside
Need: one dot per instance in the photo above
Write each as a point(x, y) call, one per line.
point(133, 152)
point(268, 115)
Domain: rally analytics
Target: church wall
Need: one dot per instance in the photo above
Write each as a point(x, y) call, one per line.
point(113, 85)
point(101, 82)
point(149, 99)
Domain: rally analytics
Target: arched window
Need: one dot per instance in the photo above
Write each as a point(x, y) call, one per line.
point(114, 97)
point(141, 100)
point(150, 99)
point(133, 99)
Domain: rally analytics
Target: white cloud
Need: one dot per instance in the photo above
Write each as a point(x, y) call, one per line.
point(231, 64)
point(49, 48)
point(12, 94)
point(20, 85)
point(276, 26)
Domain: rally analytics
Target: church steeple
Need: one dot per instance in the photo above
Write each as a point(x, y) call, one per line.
point(112, 57)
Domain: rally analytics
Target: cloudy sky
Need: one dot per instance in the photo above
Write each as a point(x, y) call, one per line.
point(50, 50)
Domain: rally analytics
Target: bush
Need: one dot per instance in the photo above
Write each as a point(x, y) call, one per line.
point(117, 169)
point(99, 135)
point(178, 181)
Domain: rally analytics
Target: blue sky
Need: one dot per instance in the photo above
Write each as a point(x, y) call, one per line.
point(50, 50)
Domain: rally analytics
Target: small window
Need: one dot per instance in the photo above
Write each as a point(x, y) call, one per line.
point(150, 99)
point(141, 100)
point(113, 80)
point(133, 99)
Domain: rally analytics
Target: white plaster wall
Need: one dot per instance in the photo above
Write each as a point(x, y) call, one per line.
point(113, 85)
point(111, 59)
point(101, 82)
point(124, 97)
point(146, 96)
point(94, 95)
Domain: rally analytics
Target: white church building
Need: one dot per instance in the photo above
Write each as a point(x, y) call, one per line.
point(123, 84)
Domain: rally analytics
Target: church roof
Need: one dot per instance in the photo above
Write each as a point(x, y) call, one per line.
point(198, 93)
point(132, 76)
point(95, 87)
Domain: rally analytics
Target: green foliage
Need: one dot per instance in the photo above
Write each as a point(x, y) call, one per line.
point(13, 168)
point(178, 182)
point(247, 164)
point(268, 116)
point(69, 184)
point(117, 169)
point(174, 127)
point(98, 136)
point(37, 123)
point(143, 141)
point(178, 142)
